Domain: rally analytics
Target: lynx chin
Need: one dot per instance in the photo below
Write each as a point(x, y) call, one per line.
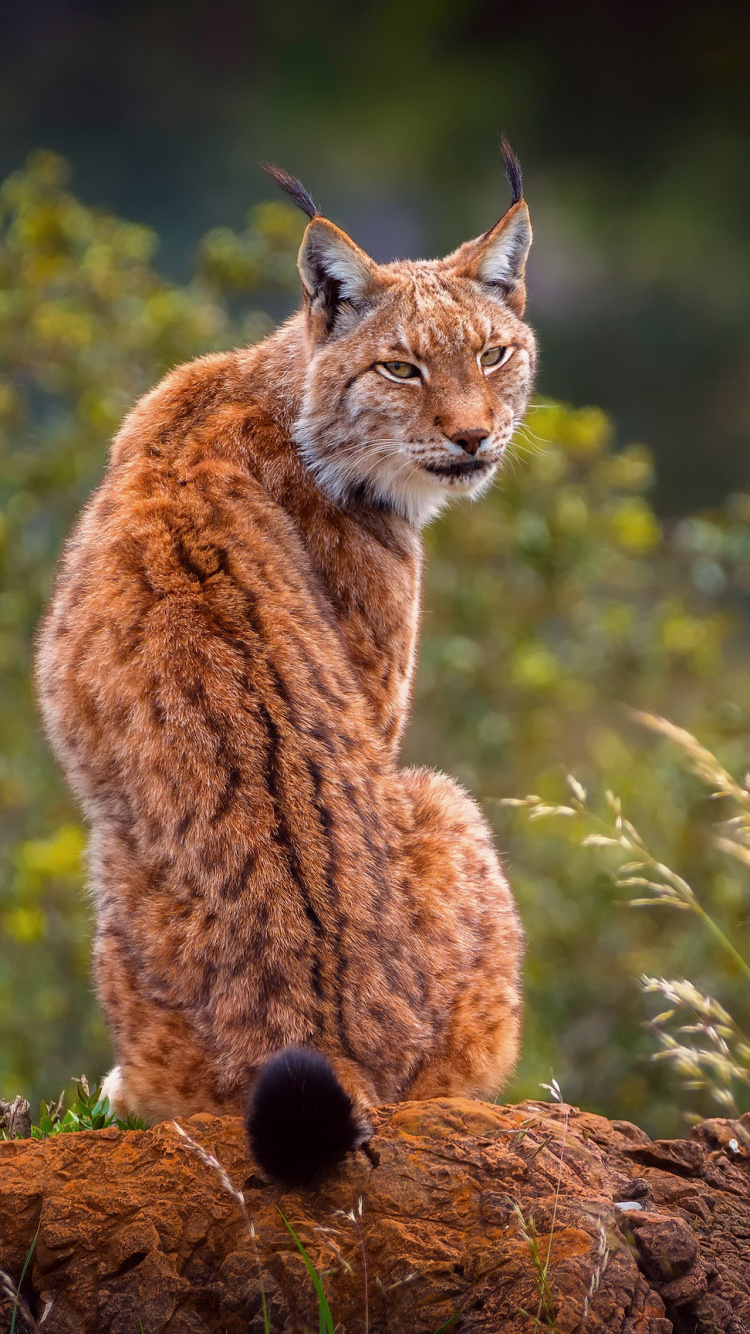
point(289, 925)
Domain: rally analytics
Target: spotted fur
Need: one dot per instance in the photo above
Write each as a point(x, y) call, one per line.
point(225, 672)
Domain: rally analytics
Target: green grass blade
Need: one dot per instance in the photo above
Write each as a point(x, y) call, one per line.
point(324, 1310)
point(263, 1302)
point(447, 1323)
point(26, 1264)
point(266, 1316)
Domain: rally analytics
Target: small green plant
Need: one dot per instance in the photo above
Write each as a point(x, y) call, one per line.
point(546, 1314)
point(88, 1111)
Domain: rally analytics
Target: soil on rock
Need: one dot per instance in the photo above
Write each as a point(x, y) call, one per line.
point(649, 1237)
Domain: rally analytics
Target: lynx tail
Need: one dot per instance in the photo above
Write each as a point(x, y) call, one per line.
point(300, 1121)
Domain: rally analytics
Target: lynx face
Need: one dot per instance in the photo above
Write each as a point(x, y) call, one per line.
point(419, 372)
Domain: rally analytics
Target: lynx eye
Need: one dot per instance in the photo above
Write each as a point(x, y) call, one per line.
point(492, 357)
point(398, 370)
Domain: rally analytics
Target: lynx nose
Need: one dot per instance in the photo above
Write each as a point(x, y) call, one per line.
point(470, 440)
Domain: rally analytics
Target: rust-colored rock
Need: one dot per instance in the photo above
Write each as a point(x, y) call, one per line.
point(648, 1237)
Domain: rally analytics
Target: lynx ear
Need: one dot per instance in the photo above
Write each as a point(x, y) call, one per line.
point(498, 259)
point(336, 274)
point(334, 271)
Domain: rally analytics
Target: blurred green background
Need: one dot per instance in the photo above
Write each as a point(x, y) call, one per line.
point(595, 575)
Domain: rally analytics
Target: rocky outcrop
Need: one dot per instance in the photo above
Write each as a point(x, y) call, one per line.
point(647, 1236)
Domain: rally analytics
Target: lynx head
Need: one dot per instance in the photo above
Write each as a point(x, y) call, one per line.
point(419, 371)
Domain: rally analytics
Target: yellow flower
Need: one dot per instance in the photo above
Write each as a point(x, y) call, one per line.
point(26, 924)
point(634, 525)
point(59, 855)
point(534, 667)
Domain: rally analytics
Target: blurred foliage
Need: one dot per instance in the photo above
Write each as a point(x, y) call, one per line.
point(551, 604)
point(86, 326)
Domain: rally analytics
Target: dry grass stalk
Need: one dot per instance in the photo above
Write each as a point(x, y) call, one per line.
point(213, 1163)
point(20, 1305)
point(720, 1052)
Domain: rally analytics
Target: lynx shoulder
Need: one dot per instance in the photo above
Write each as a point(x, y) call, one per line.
point(289, 925)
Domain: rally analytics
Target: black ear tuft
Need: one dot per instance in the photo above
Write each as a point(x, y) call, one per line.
point(512, 171)
point(300, 1121)
point(292, 187)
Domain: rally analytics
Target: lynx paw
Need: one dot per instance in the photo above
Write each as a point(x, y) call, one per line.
point(112, 1088)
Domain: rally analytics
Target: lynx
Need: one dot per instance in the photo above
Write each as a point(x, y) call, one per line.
point(290, 926)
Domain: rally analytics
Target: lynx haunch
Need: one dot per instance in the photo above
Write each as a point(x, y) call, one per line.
point(289, 925)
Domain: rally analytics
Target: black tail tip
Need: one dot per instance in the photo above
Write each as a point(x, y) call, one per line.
point(300, 1122)
point(512, 171)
